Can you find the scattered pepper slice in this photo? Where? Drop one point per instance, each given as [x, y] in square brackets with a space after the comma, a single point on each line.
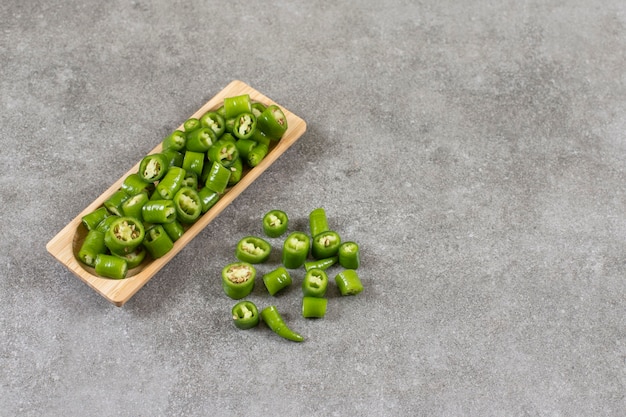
[245, 315]
[253, 249]
[275, 223]
[238, 279]
[274, 321]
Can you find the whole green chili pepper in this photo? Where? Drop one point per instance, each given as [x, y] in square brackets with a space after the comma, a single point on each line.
[348, 282]
[245, 315]
[217, 177]
[295, 250]
[318, 222]
[188, 205]
[322, 264]
[234, 106]
[325, 244]
[193, 162]
[274, 321]
[257, 154]
[224, 152]
[272, 122]
[253, 250]
[92, 246]
[208, 198]
[110, 266]
[214, 121]
[349, 255]
[175, 141]
[153, 167]
[275, 223]
[132, 207]
[91, 220]
[238, 279]
[114, 202]
[245, 125]
[174, 230]
[134, 258]
[124, 235]
[315, 283]
[157, 242]
[276, 280]
[314, 307]
[159, 211]
[201, 139]
[171, 183]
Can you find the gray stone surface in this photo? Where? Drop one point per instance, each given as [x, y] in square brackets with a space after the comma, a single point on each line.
[475, 150]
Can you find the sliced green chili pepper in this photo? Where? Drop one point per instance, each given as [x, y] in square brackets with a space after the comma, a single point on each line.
[132, 207]
[171, 183]
[174, 158]
[257, 154]
[234, 106]
[105, 224]
[190, 180]
[236, 172]
[188, 205]
[153, 167]
[157, 242]
[315, 283]
[191, 124]
[274, 321]
[245, 315]
[174, 230]
[348, 282]
[244, 146]
[135, 258]
[193, 162]
[295, 250]
[91, 220]
[349, 256]
[325, 244]
[260, 137]
[314, 307]
[159, 211]
[276, 280]
[318, 222]
[92, 246]
[175, 141]
[272, 122]
[217, 178]
[214, 121]
[201, 139]
[253, 250]
[238, 279]
[322, 264]
[111, 266]
[245, 125]
[229, 137]
[220, 110]
[275, 223]
[229, 125]
[124, 235]
[257, 108]
[134, 184]
[223, 151]
[208, 198]
[114, 202]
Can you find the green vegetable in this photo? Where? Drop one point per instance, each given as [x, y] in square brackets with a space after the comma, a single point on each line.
[325, 244]
[124, 235]
[157, 242]
[275, 223]
[238, 279]
[315, 283]
[349, 255]
[245, 315]
[274, 321]
[295, 250]
[253, 250]
[111, 266]
[277, 280]
[314, 307]
[348, 282]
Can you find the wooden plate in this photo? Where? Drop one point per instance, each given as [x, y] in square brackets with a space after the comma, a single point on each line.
[65, 245]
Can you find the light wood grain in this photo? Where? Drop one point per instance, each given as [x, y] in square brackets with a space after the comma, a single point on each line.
[65, 245]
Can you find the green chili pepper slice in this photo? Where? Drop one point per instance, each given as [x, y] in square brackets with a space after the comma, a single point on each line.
[223, 151]
[275, 223]
[208, 198]
[272, 122]
[153, 167]
[245, 315]
[171, 183]
[92, 246]
[175, 141]
[190, 180]
[201, 139]
[114, 202]
[193, 162]
[105, 224]
[133, 206]
[245, 125]
[322, 264]
[315, 283]
[214, 121]
[295, 250]
[159, 211]
[217, 177]
[93, 219]
[349, 282]
[174, 158]
[252, 249]
[134, 184]
[318, 221]
[134, 258]
[124, 235]
[349, 255]
[236, 172]
[188, 205]
[274, 321]
[325, 244]
[258, 108]
[174, 230]
[238, 279]
[157, 242]
[314, 307]
[244, 146]
[191, 124]
[110, 266]
[277, 280]
[234, 106]
[257, 154]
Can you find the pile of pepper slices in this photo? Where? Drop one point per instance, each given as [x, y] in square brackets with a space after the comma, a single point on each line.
[323, 245]
[174, 187]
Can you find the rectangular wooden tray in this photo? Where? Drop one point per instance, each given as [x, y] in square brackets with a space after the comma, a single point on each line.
[65, 245]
